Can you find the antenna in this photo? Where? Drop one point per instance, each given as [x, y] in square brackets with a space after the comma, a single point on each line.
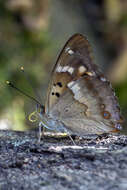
[30, 82]
[22, 92]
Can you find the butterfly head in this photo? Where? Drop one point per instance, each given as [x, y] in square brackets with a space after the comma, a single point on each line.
[40, 109]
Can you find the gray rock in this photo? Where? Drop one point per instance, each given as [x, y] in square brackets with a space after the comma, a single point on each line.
[93, 163]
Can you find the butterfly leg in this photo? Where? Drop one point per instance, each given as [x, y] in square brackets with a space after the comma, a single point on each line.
[71, 140]
[40, 132]
[66, 131]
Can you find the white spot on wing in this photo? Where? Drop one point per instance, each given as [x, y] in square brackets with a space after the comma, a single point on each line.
[103, 79]
[60, 69]
[70, 70]
[69, 51]
[68, 48]
[64, 69]
[90, 73]
[82, 69]
[76, 89]
[70, 84]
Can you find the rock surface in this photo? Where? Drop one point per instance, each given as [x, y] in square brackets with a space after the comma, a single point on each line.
[93, 163]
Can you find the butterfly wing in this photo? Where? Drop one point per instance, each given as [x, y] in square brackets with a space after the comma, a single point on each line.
[79, 95]
[76, 52]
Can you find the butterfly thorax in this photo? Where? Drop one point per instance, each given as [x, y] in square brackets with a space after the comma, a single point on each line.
[50, 122]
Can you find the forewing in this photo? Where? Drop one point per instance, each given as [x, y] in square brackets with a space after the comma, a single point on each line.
[76, 53]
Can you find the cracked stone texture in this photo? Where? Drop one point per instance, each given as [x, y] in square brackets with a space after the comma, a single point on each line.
[93, 163]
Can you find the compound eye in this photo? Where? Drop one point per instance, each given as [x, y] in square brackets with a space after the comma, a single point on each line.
[40, 108]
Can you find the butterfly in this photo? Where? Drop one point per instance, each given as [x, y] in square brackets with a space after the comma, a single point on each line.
[80, 99]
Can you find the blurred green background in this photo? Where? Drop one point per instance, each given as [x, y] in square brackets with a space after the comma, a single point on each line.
[32, 33]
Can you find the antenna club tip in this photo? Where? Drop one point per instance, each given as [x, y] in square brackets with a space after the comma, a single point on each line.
[22, 68]
[7, 82]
